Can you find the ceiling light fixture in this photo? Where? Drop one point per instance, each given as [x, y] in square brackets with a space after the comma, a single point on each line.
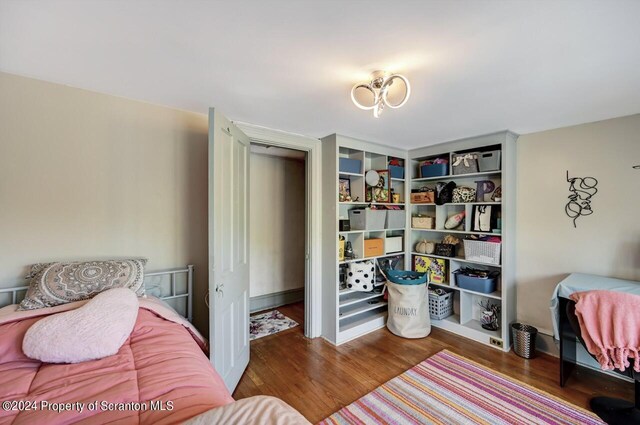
[379, 88]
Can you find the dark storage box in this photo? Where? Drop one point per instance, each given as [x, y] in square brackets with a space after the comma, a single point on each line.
[477, 284]
[396, 172]
[348, 165]
[434, 170]
[445, 250]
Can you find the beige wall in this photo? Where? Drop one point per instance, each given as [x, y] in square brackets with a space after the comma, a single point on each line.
[605, 243]
[277, 224]
[86, 175]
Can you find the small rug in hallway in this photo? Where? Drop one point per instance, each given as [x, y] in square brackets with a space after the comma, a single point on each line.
[450, 389]
[269, 323]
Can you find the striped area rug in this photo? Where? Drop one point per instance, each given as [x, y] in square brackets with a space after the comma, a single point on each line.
[450, 389]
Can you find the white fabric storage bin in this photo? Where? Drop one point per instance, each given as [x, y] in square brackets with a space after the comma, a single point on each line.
[367, 219]
[393, 244]
[395, 219]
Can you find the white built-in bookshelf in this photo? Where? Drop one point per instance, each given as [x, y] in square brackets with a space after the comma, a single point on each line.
[348, 314]
[467, 312]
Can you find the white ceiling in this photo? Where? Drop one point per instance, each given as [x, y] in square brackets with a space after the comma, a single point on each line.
[475, 66]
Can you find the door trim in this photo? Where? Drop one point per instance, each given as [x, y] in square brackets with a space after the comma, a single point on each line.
[313, 269]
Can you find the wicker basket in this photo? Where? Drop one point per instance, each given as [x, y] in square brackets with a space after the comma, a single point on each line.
[482, 252]
[440, 306]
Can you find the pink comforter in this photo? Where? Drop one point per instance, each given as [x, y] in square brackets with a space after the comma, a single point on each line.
[159, 376]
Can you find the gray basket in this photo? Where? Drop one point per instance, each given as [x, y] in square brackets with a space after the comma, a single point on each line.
[367, 219]
[524, 340]
[440, 306]
[396, 219]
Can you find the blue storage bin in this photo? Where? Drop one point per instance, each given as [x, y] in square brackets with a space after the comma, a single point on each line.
[406, 277]
[396, 172]
[348, 165]
[434, 170]
[477, 284]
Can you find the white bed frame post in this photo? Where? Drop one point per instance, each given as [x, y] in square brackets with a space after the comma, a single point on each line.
[190, 293]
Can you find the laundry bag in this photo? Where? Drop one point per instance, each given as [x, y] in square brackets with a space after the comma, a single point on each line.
[408, 304]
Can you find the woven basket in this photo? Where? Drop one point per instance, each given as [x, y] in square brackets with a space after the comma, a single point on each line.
[482, 252]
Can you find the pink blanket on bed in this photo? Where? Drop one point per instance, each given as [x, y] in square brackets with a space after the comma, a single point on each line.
[159, 376]
[610, 327]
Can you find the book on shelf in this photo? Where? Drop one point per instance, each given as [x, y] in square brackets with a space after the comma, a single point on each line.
[436, 268]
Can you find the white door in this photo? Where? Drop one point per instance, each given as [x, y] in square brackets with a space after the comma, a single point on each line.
[228, 248]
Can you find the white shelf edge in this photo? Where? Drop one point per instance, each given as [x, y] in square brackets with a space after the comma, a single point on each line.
[370, 322]
[347, 291]
[433, 204]
[357, 300]
[391, 204]
[463, 232]
[456, 176]
[461, 260]
[377, 230]
[474, 203]
[477, 326]
[372, 258]
[364, 309]
[455, 203]
[497, 295]
[471, 329]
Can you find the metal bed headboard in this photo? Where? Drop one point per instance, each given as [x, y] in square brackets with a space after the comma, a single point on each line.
[18, 292]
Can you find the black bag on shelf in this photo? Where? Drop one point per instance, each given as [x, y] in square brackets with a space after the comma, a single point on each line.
[444, 192]
[445, 250]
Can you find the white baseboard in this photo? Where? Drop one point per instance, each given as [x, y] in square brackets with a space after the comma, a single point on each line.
[264, 302]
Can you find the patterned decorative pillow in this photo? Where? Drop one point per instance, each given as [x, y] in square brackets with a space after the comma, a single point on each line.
[60, 283]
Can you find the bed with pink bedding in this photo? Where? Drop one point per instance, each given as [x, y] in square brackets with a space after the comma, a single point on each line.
[161, 375]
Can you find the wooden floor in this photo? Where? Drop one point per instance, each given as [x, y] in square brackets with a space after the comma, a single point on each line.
[318, 378]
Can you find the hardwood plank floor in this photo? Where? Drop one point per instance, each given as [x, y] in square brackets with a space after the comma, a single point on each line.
[318, 378]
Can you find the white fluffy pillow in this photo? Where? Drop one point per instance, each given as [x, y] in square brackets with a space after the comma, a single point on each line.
[96, 330]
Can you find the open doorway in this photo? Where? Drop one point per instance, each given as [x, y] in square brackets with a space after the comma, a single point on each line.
[278, 220]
